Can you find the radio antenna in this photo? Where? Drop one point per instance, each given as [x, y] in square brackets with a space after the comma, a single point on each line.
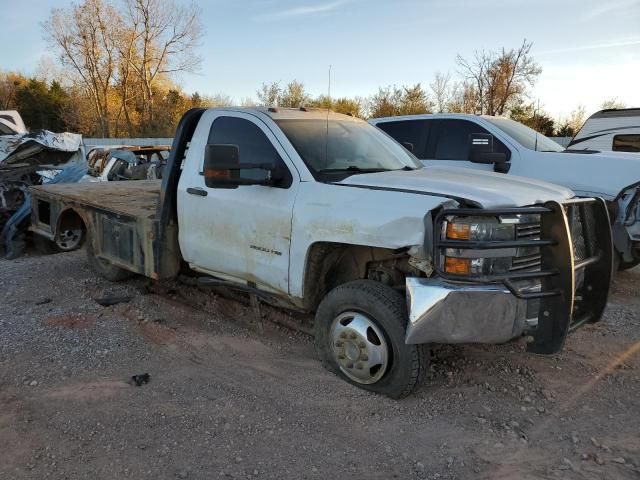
[326, 141]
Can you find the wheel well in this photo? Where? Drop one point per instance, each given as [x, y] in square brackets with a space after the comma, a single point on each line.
[70, 220]
[332, 264]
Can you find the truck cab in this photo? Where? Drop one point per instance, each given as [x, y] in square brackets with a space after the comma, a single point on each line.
[324, 213]
[505, 146]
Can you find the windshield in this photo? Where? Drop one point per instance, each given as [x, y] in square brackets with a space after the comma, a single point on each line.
[525, 136]
[345, 146]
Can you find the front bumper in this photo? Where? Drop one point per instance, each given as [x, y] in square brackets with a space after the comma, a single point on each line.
[443, 312]
[569, 289]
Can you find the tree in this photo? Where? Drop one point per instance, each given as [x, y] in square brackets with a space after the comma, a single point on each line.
[293, 95]
[532, 116]
[162, 38]
[570, 126]
[414, 100]
[392, 101]
[612, 103]
[499, 79]
[344, 105]
[349, 106]
[269, 94]
[86, 38]
[444, 92]
[10, 83]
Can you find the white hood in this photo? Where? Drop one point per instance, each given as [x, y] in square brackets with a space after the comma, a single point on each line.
[490, 190]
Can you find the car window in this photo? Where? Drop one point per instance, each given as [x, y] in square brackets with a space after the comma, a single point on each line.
[451, 140]
[626, 143]
[525, 136]
[415, 132]
[253, 144]
[345, 146]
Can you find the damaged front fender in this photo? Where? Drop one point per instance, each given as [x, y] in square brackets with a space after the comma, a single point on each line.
[626, 228]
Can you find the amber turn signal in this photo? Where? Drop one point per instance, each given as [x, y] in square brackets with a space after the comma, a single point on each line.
[212, 173]
[457, 266]
[458, 231]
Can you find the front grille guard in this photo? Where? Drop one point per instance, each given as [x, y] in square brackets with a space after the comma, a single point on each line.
[573, 291]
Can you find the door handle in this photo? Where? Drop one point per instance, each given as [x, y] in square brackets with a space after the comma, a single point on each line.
[197, 191]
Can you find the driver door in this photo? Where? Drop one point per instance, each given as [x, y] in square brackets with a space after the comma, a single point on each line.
[240, 234]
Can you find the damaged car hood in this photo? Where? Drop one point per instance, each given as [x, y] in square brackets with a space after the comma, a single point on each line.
[486, 189]
[38, 148]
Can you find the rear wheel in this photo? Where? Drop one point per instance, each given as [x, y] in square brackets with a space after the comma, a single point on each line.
[105, 268]
[69, 240]
[359, 335]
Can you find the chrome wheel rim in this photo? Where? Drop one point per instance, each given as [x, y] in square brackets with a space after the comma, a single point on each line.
[69, 239]
[359, 347]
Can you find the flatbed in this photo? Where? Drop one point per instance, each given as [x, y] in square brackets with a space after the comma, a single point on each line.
[134, 199]
[122, 217]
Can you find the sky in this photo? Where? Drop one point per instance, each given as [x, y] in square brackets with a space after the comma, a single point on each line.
[589, 50]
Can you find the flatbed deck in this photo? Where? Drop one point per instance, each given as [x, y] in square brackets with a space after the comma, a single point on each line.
[133, 198]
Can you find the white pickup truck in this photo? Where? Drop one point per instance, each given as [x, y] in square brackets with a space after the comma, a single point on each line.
[505, 146]
[324, 213]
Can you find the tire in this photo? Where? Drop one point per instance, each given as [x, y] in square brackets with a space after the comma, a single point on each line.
[69, 240]
[344, 348]
[104, 268]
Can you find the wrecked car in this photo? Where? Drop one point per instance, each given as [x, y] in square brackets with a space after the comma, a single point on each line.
[109, 164]
[28, 159]
[323, 213]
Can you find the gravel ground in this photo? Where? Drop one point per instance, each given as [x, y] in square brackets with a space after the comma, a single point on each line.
[232, 396]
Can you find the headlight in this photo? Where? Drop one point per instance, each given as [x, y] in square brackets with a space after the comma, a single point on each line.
[469, 261]
[478, 229]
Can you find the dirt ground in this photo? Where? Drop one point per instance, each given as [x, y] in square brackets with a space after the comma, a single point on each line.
[231, 396]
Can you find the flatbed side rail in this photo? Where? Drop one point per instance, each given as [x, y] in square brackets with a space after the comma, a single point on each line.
[576, 251]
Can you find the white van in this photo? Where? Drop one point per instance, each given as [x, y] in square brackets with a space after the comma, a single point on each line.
[610, 130]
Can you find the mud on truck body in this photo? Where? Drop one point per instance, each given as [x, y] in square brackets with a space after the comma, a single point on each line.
[326, 214]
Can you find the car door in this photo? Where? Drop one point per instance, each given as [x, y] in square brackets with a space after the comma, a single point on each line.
[244, 233]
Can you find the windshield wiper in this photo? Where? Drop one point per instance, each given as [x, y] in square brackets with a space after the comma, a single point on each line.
[353, 168]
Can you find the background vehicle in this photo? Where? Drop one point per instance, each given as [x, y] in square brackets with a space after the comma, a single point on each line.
[126, 163]
[505, 146]
[615, 130]
[11, 123]
[323, 213]
[29, 159]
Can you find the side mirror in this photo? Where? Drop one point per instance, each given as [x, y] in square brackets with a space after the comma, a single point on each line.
[481, 149]
[408, 146]
[222, 168]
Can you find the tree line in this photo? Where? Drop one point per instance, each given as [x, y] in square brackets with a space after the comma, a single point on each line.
[118, 63]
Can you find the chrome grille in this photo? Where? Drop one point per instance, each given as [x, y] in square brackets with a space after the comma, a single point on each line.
[581, 223]
[527, 259]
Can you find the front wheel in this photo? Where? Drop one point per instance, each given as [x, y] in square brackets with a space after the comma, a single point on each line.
[359, 335]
